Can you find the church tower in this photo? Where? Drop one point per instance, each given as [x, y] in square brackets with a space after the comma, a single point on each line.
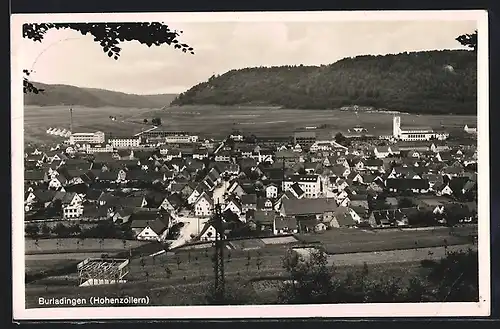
[396, 127]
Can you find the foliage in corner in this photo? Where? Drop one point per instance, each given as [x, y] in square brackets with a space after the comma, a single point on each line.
[468, 40]
[109, 36]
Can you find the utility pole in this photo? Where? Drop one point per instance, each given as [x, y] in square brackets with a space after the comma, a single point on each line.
[219, 255]
[71, 120]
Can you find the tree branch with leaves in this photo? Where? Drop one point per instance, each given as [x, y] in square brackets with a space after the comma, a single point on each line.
[468, 40]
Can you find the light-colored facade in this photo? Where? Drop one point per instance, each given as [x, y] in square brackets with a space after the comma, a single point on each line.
[125, 142]
[310, 184]
[98, 148]
[97, 137]
[414, 134]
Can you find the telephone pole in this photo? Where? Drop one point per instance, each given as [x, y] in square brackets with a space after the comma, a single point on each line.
[219, 254]
[71, 120]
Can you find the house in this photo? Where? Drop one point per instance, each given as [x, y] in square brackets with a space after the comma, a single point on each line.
[35, 177]
[248, 202]
[57, 182]
[208, 233]
[171, 203]
[310, 184]
[344, 217]
[296, 191]
[401, 185]
[223, 156]
[71, 204]
[470, 129]
[321, 208]
[122, 215]
[285, 225]
[234, 205]
[381, 152]
[271, 191]
[260, 220]
[40, 198]
[235, 189]
[444, 156]
[373, 164]
[203, 207]
[436, 206]
[264, 204]
[149, 225]
[359, 200]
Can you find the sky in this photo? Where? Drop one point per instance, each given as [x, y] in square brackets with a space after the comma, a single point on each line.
[67, 57]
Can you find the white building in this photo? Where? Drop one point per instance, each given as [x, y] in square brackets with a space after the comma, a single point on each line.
[98, 148]
[95, 138]
[414, 133]
[310, 184]
[470, 129]
[125, 142]
[327, 145]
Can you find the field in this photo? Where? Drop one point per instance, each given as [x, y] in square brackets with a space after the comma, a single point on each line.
[72, 245]
[182, 277]
[169, 282]
[217, 121]
[46, 254]
[355, 240]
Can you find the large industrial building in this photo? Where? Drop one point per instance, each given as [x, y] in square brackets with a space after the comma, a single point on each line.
[169, 136]
[94, 138]
[415, 133]
[125, 142]
[304, 138]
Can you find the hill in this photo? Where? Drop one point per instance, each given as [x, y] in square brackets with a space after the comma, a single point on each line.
[433, 82]
[54, 95]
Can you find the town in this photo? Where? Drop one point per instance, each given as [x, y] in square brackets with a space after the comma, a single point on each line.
[166, 186]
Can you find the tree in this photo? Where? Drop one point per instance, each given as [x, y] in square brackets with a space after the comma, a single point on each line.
[60, 230]
[339, 138]
[145, 121]
[259, 260]
[405, 203]
[109, 36]
[45, 229]
[468, 40]
[310, 279]
[455, 276]
[156, 121]
[32, 230]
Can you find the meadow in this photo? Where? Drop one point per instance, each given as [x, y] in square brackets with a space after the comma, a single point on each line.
[256, 277]
[219, 121]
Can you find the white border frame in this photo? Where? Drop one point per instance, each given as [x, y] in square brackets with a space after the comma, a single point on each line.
[482, 308]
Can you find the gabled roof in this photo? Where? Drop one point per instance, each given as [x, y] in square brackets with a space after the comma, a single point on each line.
[207, 197]
[285, 222]
[44, 195]
[402, 184]
[34, 175]
[249, 199]
[308, 206]
[264, 217]
[296, 188]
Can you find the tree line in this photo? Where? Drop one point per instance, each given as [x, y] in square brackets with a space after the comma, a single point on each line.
[431, 82]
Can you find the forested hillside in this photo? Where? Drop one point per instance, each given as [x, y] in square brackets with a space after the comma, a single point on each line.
[54, 95]
[419, 82]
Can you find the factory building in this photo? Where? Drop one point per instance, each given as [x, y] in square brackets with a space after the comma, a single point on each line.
[81, 138]
[414, 134]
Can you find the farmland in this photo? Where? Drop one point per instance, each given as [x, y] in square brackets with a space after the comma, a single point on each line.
[217, 121]
[181, 277]
[166, 281]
